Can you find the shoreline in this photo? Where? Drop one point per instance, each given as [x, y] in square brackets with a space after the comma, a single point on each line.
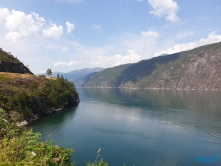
[35, 117]
[153, 88]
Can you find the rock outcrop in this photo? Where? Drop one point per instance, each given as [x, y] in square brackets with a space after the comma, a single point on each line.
[6, 66]
[10, 63]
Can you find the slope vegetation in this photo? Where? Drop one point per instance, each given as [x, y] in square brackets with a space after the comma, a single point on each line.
[25, 96]
[9, 63]
[107, 77]
[199, 68]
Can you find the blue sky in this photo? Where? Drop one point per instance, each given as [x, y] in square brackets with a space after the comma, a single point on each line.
[66, 35]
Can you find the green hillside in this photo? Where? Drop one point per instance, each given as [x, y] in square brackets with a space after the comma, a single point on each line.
[5, 56]
[199, 68]
[25, 96]
[107, 77]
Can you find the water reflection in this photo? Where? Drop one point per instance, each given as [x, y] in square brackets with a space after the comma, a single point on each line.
[141, 127]
[205, 102]
[192, 110]
[53, 125]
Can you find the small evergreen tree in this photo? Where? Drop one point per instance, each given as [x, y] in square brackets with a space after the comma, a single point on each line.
[49, 72]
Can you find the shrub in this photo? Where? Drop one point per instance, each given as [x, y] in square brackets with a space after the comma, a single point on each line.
[19, 146]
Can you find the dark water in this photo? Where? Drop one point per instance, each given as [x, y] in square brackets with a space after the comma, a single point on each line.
[141, 127]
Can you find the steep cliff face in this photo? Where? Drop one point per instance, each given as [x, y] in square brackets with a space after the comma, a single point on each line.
[199, 68]
[196, 69]
[10, 63]
[6, 66]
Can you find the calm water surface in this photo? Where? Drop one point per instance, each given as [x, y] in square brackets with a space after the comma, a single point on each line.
[141, 127]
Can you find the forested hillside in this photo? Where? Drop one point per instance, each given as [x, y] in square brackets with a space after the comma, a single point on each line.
[199, 68]
[25, 96]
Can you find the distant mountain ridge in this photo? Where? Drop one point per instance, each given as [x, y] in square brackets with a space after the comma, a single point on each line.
[199, 68]
[78, 77]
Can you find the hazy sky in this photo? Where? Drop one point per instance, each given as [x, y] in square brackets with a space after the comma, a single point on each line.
[65, 35]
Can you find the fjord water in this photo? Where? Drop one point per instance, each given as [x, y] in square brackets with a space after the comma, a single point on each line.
[141, 127]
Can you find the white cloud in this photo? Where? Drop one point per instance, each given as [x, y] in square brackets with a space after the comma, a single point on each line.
[75, 1]
[19, 24]
[109, 61]
[150, 34]
[60, 63]
[97, 27]
[212, 38]
[164, 7]
[19, 21]
[13, 36]
[38, 18]
[4, 13]
[53, 31]
[70, 27]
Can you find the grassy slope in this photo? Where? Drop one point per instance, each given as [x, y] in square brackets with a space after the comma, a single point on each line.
[17, 81]
[28, 94]
[4, 56]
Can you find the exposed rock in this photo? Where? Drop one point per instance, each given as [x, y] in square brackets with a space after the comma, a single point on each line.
[6, 66]
[23, 123]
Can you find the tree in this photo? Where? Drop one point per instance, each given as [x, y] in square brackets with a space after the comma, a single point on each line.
[49, 72]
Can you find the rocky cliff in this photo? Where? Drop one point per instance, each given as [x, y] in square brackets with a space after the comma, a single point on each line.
[10, 63]
[199, 68]
[6, 66]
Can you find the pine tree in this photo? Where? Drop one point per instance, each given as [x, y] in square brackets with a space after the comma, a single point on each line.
[49, 72]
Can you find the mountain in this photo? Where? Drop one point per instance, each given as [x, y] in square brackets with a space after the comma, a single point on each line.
[79, 77]
[199, 68]
[80, 81]
[107, 77]
[9, 63]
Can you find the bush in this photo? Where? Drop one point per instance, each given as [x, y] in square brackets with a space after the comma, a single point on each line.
[19, 146]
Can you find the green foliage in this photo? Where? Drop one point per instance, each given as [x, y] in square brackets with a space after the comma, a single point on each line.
[49, 72]
[59, 91]
[162, 71]
[19, 146]
[107, 77]
[30, 95]
[101, 163]
[4, 56]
